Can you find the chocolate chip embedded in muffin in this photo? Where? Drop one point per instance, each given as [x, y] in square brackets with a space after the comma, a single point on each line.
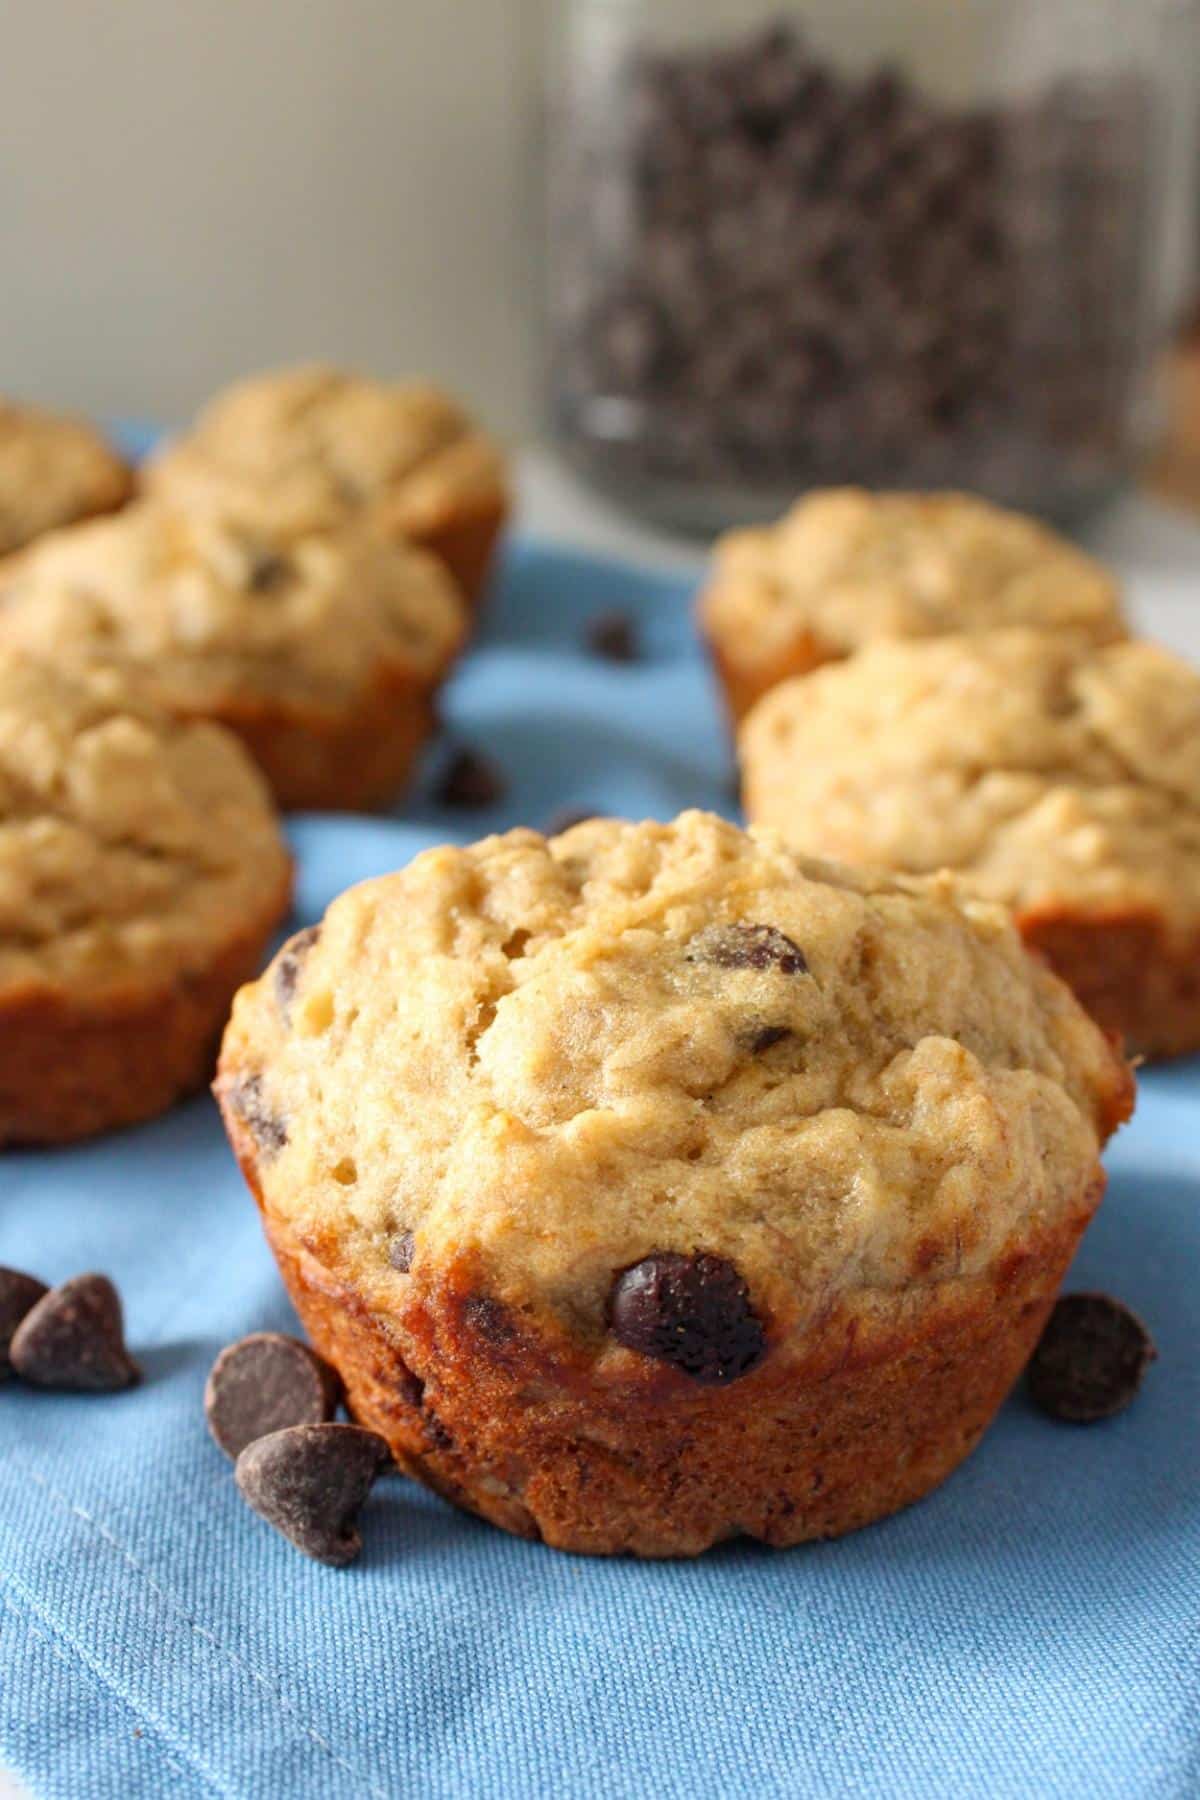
[310, 1481]
[1090, 1360]
[748, 947]
[269, 572]
[263, 1383]
[693, 1312]
[265, 1126]
[19, 1294]
[74, 1338]
[400, 1251]
[290, 961]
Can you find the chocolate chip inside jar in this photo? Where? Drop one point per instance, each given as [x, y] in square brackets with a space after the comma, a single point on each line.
[769, 272]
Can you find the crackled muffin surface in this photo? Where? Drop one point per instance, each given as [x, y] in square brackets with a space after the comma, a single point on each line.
[845, 567]
[53, 471]
[141, 872]
[1061, 780]
[308, 448]
[658, 1100]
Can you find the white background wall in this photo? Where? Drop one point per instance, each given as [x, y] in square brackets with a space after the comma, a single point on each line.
[191, 188]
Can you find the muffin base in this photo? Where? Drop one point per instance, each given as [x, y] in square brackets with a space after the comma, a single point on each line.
[320, 761]
[862, 1413]
[1135, 979]
[743, 685]
[68, 1070]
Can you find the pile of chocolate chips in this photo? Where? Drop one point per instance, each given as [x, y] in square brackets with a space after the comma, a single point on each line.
[271, 1405]
[70, 1337]
[768, 273]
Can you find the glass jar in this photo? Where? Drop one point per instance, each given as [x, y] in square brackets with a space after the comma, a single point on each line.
[907, 243]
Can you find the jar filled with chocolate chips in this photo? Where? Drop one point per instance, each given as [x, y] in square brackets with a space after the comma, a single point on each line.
[905, 243]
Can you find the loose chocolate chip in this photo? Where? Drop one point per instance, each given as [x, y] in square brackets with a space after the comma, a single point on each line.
[1090, 1360]
[767, 1036]
[265, 1127]
[567, 819]
[74, 1338]
[470, 782]
[613, 636]
[400, 1251]
[268, 572]
[748, 947]
[263, 1383]
[310, 1481]
[19, 1294]
[289, 960]
[693, 1312]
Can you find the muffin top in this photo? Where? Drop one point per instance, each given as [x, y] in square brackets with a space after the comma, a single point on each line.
[554, 1059]
[848, 566]
[307, 448]
[132, 848]
[53, 470]
[212, 608]
[1048, 773]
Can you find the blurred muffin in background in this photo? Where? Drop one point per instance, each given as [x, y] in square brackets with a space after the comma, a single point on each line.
[845, 566]
[142, 872]
[314, 447]
[53, 471]
[323, 651]
[1059, 778]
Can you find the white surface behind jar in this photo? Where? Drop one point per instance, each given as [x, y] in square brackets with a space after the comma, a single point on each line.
[194, 189]
[189, 191]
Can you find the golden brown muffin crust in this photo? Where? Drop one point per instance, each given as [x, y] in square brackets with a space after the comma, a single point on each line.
[488, 1087]
[53, 471]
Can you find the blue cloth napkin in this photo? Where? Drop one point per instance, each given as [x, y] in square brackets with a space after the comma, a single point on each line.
[1031, 1630]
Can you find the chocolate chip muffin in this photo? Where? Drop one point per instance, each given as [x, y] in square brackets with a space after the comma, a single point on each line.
[652, 1185]
[142, 872]
[309, 448]
[1061, 780]
[53, 471]
[845, 567]
[324, 651]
